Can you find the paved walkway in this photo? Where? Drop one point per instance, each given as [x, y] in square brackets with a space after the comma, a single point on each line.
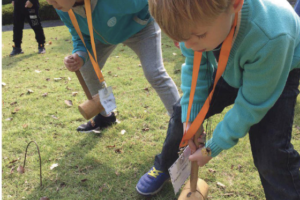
[45, 24]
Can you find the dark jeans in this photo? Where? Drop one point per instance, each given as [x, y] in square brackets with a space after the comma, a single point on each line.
[297, 7]
[32, 16]
[274, 156]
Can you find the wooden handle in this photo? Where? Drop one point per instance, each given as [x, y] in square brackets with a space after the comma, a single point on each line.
[195, 167]
[83, 85]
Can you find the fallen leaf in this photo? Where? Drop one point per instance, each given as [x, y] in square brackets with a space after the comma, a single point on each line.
[47, 79]
[68, 88]
[21, 94]
[47, 69]
[118, 121]
[145, 129]
[13, 161]
[232, 166]
[117, 56]
[146, 89]
[239, 167]
[12, 170]
[123, 132]
[174, 54]
[21, 170]
[212, 170]
[221, 185]
[25, 125]
[69, 103]
[29, 91]
[110, 146]
[84, 180]
[50, 42]
[53, 166]
[54, 117]
[13, 103]
[297, 127]
[228, 194]
[44, 198]
[57, 79]
[69, 78]
[101, 189]
[9, 119]
[118, 151]
[140, 65]
[38, 71]
[74, 94]
[3, 84]
[117, 173]
[45, 94]
[15, 111]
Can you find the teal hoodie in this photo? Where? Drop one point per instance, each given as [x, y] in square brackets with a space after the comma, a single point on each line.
[114, 21]
[265, 49]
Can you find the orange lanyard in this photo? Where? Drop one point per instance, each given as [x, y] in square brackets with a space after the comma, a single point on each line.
[223, 59]
[95, 64]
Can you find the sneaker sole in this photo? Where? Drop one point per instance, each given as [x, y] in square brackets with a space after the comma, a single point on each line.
[91, 131]
[152, 193]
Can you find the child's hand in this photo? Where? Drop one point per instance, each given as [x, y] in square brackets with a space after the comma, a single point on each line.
[200, 157]
[201, 139]
[73, 62]
[28, 4]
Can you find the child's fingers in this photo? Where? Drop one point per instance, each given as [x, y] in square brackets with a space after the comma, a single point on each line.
[192, 146]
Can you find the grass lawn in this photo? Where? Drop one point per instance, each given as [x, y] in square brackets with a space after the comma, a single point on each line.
[97, 166]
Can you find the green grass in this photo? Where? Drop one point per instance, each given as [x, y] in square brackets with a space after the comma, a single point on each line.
[110, 175]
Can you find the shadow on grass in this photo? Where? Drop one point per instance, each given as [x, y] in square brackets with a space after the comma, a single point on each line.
[75, 166]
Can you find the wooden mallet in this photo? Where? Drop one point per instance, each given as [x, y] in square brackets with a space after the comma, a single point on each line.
[196, 188]
[92, 106]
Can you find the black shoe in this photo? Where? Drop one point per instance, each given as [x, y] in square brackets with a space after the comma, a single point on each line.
[42, 49]
[16, 51]
[97, 123]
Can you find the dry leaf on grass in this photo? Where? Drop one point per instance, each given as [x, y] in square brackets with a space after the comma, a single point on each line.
[53, 166]
[221, 185]
[21, 170]
[29, 91]
[3, 84]
[123, 132]
[13, 103]
[45, 94]
[38, 71]
[145, 129]
[15, 111]
[57, 79]
[68, 103]
[74, 94]
[44, 198]
[54, 117]
[83, 180]
[25, 125]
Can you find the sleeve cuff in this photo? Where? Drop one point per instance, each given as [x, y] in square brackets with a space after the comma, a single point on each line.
[83, 55]
[194, 112]
[215, 149]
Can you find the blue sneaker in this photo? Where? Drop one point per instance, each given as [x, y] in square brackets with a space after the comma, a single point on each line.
[152, 182]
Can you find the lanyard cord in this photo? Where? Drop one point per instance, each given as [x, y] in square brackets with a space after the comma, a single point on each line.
[90, 25]
[223, 59]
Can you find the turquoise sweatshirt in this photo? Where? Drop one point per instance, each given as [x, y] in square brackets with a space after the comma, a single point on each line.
[265, 49]
[114, 21]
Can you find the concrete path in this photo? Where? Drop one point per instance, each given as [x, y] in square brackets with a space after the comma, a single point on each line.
[45, 24]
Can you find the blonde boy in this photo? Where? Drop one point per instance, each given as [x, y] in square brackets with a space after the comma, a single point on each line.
[261, 80]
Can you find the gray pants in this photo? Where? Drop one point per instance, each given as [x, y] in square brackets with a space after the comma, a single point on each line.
[147, 45]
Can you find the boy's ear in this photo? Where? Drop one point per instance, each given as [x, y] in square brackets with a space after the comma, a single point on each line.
[237, 5]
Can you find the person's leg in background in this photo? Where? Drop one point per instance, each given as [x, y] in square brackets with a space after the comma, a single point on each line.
[19, 19]
[35, 22]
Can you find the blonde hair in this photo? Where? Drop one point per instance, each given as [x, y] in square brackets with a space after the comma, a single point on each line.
[176, 17]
